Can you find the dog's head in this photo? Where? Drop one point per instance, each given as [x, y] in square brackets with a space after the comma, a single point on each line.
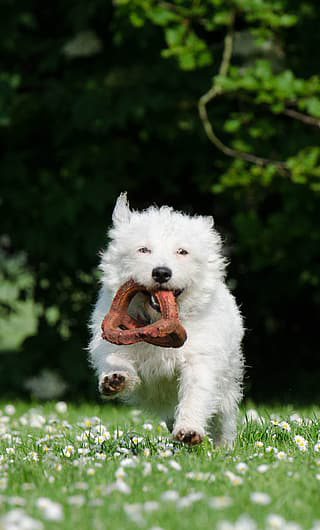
[162, 248]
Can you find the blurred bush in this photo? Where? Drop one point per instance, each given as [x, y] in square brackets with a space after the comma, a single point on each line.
[103, 97]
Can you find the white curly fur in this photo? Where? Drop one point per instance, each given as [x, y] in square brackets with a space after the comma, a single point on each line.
[195, 388]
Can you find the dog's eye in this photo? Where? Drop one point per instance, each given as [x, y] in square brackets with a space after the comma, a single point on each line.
[144, 250]
[182, 251]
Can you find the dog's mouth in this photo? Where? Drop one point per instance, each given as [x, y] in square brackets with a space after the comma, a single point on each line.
[154, 302]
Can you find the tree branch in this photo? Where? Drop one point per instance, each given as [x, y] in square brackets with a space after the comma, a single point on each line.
[305, 118]
[215, 91]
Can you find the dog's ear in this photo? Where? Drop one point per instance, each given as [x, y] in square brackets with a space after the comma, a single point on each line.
[209, 221]
[121, 212]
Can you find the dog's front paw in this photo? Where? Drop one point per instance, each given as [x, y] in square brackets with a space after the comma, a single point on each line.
[110, 385]
[188, 436]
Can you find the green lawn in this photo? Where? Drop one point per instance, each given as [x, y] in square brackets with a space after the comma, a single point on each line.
[100, 467]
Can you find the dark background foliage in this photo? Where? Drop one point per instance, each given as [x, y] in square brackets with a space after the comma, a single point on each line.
[101, 97]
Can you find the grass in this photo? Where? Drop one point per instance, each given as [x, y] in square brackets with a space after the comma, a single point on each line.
[132, 476]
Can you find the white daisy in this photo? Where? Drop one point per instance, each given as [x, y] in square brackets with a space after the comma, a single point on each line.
[220, 502]
[52, 511]
[169, 495]
[241, 467]
[285, 426]
[260, 498]
[61, 407]
[175, 465]
[263, 468]
[68, 451]
[281, 455]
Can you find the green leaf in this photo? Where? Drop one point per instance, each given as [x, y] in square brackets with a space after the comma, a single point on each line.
[175, 35]
[232, 125]
[136, 20]
[312, 105]
[161, 16]
[187, 61]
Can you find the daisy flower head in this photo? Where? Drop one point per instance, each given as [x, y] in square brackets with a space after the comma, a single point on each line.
[275, 522]
[137, 440]
[121, 486]
[133, 512]
[220, 502]
[299, 439]
[61, 407]
[263, 468]
[83, 450]
[101, 456]
[252, 415]
[285, 426]
[120, 473]
[317, 447]
[162, 468]
[18, 518]
[189, 499]
[117, 433]
[81, 485]
[151, 506]
[269, 449]
[301, 443]
[147, 468]
[258, 497]
[242, 467]
[129, 462]
[175, 465]
[296, 418]
[124, 450]
[169, 496]
[76, 500]
[234, 479]
[244, 522]
[10, 409]
[281, 455]
[166, 453]
[68, 451]
[100, 439]
[52, 511]
[198, 475]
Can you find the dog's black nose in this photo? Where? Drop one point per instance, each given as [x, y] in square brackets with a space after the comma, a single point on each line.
[161, 274]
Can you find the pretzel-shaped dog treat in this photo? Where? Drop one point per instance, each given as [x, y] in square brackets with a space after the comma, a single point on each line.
[119, 328]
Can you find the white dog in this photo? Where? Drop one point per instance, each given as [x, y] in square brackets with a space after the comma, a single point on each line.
[196, 388]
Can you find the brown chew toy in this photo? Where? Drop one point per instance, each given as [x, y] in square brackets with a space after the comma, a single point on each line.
[119, 328]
